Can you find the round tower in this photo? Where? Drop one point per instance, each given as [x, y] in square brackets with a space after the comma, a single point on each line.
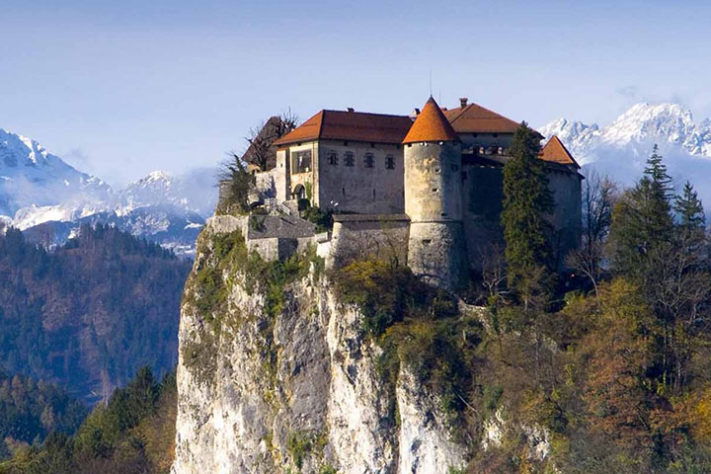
[433, 199]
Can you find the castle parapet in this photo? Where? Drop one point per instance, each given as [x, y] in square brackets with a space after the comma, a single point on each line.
[356, 236]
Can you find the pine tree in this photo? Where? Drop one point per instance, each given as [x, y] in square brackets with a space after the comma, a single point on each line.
[691, 219]
[527, 203]
[642, 222]
[656, 170]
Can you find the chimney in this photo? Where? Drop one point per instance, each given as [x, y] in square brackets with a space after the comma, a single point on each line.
[416, 112]
[350, 109]
[463, 101]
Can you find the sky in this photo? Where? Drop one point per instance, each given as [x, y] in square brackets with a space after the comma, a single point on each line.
[121, 88]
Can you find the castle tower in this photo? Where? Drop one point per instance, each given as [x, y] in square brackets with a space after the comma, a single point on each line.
[433, 199]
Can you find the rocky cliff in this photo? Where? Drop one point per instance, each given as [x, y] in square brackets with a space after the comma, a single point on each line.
[276, 374]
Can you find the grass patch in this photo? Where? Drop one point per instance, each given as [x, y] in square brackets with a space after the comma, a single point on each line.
[301, 444]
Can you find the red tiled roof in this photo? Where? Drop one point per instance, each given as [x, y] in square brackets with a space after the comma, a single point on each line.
[353, 126]
[474, 118]
[554, 151]
[430, 126]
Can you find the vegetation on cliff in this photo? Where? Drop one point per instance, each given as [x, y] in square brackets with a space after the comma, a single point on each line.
[224, 261]
[612, 374]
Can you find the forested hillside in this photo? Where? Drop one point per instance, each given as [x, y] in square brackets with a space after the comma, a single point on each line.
[133, 433]
[89, 314]
[30, 410]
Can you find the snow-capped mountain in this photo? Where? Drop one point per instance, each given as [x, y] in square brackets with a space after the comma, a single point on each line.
[31, 177]
[49, 199]
[621, 148]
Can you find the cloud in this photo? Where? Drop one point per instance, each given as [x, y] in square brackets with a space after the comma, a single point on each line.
[78, 156]
[628, 92]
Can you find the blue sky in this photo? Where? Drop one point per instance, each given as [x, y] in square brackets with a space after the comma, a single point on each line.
[122, 88]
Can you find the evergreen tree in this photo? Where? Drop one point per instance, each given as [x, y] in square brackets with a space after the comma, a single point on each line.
[691, 227]
[527, 203]
[656, 171]
[642, 223]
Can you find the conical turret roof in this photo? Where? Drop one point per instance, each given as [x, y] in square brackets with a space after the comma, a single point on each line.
[430, 126]
[554, 151]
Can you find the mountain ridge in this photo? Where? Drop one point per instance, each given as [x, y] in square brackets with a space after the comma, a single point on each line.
[40, 193]
[620, 149]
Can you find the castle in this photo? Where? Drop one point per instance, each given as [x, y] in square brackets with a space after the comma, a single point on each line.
[426, 188]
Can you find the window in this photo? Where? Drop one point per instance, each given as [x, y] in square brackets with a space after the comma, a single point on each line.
[332, 158]
[369, 160]
[300, 161]
[348, 159]
[390, 162]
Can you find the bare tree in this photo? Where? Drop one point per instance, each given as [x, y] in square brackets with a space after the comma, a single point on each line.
[599, 196]
[261, 151]
[493, 273]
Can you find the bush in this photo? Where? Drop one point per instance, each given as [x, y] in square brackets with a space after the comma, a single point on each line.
[322, 219]
[416, 325]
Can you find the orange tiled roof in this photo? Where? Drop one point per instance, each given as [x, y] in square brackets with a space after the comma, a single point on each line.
[353, 126]
[430, 126]
[474, 118]
[554, 151]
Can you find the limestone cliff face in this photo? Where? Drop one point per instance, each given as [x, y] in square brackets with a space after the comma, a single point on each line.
[277, 383]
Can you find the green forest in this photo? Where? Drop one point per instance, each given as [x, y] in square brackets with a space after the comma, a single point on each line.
[133, 433]
[89, 314]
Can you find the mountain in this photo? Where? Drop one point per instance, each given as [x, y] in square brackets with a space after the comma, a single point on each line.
[30, 177]
[620, 149]
[48, 198]
[90, 313]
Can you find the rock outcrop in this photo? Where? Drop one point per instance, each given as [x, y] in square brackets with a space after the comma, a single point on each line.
[276, 375]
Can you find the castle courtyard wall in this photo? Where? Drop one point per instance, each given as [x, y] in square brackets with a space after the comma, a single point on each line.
[356, 236]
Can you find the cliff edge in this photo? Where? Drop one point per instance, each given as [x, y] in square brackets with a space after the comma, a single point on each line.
[280, 372]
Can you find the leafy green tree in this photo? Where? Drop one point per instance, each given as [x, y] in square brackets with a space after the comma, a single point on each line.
[527, 204]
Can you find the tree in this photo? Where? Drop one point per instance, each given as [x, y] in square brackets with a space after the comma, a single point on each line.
[656, 171]
[261, 151]
[620, 354]
[691, 227]
[527, 204]
[241, 182]
[642, 224]
[668, 264]
[598, 201]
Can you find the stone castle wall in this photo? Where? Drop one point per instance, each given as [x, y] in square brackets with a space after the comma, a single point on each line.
[433, 182]
[357, 235]
[369, 186]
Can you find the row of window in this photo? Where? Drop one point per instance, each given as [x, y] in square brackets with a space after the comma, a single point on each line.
[368, 160]
[489, 150]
